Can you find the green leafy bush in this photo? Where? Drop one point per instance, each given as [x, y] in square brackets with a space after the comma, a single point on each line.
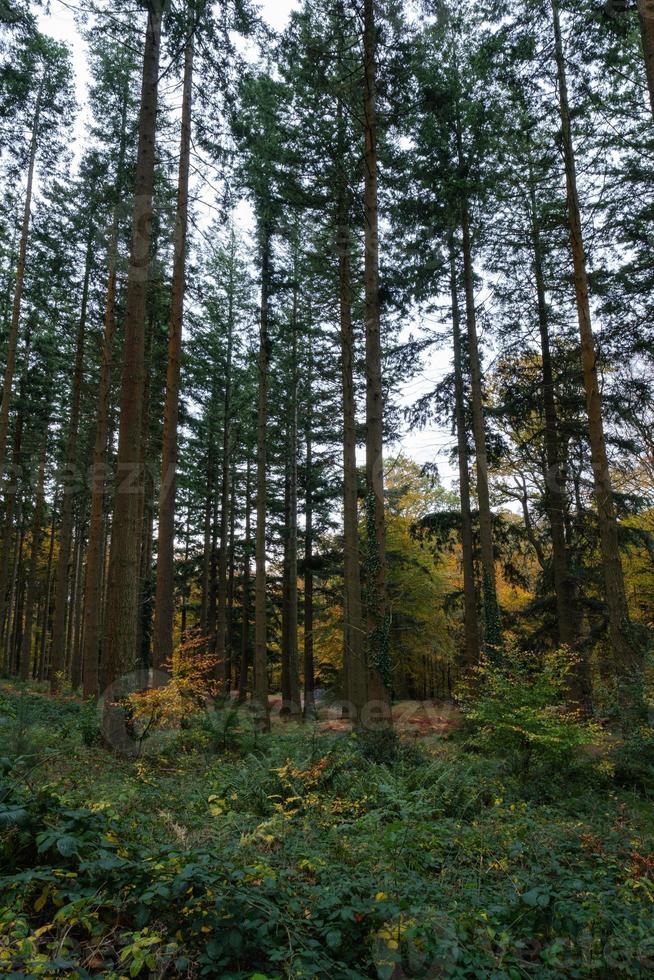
[517, 710]
[633, 761]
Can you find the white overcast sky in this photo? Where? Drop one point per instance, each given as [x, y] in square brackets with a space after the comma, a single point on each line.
[432, 444]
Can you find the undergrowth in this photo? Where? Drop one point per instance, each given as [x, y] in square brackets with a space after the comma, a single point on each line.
[237, 855]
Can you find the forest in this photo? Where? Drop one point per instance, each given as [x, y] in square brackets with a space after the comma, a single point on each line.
[326, 489]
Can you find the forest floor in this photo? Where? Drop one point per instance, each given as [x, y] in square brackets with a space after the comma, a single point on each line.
[311, 852]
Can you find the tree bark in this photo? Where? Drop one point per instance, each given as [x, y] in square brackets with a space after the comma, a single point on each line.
[75, 630]
[471, 623]
[164, 599]
[245, 604]
[646, 22]
[291, 704]
[260, 625]
[627, 654]
[123, 587]
[43, 642]
[378, 628]
[555, 503]
[12, 341]
[492, 629]
[11, 497]
[221, 598]
[70, 486]
[32, 573]
[92, 611]
[309, 710]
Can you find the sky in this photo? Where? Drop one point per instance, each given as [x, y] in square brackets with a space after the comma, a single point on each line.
[431, 445]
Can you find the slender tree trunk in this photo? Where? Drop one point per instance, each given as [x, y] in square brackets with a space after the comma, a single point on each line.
[309, 673]
[221, 599]
[45, 625]
[260, 626]
[245, 605]
[11, 497]
[32, 573]
[15, 633]
[75, 628]
[206, 554]
[12, 342]
[492, 633]
[627, 654]
[230, 664]
[379, 664]
[564, 583]
[70, 485]
[646, 21]
[164, 599]
[123, 587]
[471, 622]
[187, 547]
[95, 553]
[291, 690]
[355, 669]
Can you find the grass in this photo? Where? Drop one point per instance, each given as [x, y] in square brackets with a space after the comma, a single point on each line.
[300, 854]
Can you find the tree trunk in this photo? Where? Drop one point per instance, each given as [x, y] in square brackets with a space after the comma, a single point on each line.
[379, 665]
[11, 495]
[45, 624]
[291, 704]
[565, 589]
[355, 670]
[245, 605]
[492, 630]
[646, 21]
[12, 341]
[221, 599]
[309, 712]
[75, 629]
[70, 486]
[92, 612]
[206, 554]
[32, 573]
[260, 626]
[470, 619]
[627, 654]
[123, 587]
[164, 599]
[230, 665]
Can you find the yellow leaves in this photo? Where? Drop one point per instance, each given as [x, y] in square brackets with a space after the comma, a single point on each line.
[217, 805]
[381, 897]
[42, 899]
